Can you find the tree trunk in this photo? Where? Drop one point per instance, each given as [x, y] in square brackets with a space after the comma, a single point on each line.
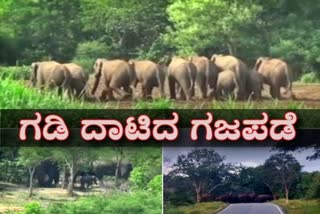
[287, 194]
[71, 179]
[31, 173]
[117, 172]
[198, 194]
[64, 181]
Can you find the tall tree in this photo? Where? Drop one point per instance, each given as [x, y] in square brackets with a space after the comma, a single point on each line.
[204, 168]
[282, 169]
[30, 157]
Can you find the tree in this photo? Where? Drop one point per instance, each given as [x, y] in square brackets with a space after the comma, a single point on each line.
[73, 158]
[198, 25]
[204, 168]
[282, 169]
[30, 157]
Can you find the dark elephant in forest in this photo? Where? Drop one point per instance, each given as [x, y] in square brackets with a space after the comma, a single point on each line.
[263, 198]
[47, 174]
[87, 180]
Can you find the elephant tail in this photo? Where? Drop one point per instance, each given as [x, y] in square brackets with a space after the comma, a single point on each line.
[161, 79]
[192, 82]
[289, 82]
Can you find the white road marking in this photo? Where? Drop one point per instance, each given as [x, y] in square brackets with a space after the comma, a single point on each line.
[225, 209]
[279, 209]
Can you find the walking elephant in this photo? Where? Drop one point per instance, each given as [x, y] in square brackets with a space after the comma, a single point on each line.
[87, 180]
[276, 73]
[47, 174]
[227, 84]
[183, 73]
[238, 67]
[50, 74]
[116, 74]
[78, 79]
[254, 85]
[207, 74]
[150, 75]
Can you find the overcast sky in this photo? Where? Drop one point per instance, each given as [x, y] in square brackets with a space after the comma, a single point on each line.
[247, 156]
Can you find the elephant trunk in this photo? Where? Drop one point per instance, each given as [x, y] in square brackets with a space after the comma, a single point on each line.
[191, 89]
[289, 83]
[33, 78]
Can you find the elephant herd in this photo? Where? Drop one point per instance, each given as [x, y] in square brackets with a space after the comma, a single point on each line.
[240, 198]
[48, 174]
[220, 77]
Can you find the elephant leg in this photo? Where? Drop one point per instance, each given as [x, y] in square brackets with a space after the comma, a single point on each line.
[202, 86]
[186, 91]
[110, 94]
[148, 92]
[144, 93]
[182, 94]
[103, 94]
[172, 87]
[275, 92]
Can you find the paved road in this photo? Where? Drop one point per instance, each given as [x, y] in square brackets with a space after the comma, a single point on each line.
[252, 208]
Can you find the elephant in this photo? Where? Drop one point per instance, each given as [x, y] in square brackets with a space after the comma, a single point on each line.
[47, 174]
[50, 74]
[254, 85]
[207, 74]
[116, 74]
[263, 198]
[150, 75]
[78, 79]
[227, 62]
[227, 84]
[183, 73]
[87, 180]
[276, 73]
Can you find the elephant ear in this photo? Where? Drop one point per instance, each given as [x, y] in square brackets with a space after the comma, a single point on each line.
[258, 63]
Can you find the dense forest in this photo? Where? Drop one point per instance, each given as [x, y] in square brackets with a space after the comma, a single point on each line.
[82, 30]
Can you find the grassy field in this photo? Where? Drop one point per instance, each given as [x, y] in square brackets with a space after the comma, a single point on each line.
[13, 199]
[300, 206]
[201, 208]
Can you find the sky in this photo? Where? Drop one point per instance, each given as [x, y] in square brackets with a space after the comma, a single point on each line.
[247, 156]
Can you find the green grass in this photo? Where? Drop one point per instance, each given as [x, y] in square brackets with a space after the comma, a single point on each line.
[200, 208]
[311, 77]
[300, 206]
[16, 95]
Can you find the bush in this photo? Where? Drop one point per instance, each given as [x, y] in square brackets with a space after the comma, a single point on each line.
[11, 171]
[15, 72]
[133, 203]
[91, 50]
[155, 185]
[311, 77]
[33, 208]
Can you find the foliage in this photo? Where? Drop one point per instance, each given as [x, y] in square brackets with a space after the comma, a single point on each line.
[11, 171]
[155, 185]
[33, 208]
[117, 203]
[311, 77]
[15, 72]
[300, 206]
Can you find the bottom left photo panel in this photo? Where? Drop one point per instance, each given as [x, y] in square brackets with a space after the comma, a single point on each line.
[41, 180]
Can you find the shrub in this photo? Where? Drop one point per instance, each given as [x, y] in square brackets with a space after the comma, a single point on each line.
[15, 72]
[134, 203]
[11, 171]
[91, 50]
[311, 77]
[33, 208]
[155, 185]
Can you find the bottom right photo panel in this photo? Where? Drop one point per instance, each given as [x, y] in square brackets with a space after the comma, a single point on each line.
[241, 180]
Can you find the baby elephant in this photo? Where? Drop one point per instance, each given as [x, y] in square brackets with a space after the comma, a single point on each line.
[87, 180]
[226, 84]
